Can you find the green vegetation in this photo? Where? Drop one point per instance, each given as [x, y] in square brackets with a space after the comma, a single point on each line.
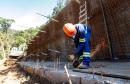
[5, 24]
[58, 7]
[11, 38]
[5, 38]
[25, 36]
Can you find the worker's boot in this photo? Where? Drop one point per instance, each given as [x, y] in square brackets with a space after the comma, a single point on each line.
[82, 66]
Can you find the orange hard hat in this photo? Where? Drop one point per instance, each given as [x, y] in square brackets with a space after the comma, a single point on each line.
[69, 29]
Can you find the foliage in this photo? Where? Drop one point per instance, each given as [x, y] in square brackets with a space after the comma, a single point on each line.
[22, 37]
[11, 38]
[5, 24]
[5, 38]
[58, 8]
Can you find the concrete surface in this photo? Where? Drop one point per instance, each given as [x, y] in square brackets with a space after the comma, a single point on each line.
[113, 68]
[52, 69]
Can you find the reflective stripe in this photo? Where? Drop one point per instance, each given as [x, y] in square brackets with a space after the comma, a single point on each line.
[81, 57]
[86, 54]
[86, 32]
[81, 40]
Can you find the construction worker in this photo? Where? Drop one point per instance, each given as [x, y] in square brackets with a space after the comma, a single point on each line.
[80, 33]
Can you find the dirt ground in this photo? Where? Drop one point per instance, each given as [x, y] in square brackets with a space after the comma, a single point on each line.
[10, 74]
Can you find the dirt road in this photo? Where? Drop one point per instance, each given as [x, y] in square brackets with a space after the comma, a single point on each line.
[10, 74]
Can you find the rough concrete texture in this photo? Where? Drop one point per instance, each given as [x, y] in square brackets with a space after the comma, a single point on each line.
[55, 74]
[119, 70]
[110, 28]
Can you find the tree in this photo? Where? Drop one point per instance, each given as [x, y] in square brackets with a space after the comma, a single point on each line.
[58, 8]
[5, 24]
[2, 44]
[5, 38]
[25, 36]
[13, 38]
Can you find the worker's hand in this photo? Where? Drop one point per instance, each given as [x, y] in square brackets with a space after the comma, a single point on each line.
[71, 57]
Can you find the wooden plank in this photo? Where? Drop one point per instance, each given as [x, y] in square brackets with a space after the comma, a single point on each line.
[82, 21]
[82, 11]
[83, 15]
[82, 6]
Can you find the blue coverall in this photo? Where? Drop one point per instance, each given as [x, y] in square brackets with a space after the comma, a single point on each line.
[82, 43]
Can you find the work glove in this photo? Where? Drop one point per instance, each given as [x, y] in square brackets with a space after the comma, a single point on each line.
[71, 57]
[76, 62]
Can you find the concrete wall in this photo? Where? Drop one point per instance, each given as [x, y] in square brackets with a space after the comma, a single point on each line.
[110, 24]
[110, 27]
[54, 38]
